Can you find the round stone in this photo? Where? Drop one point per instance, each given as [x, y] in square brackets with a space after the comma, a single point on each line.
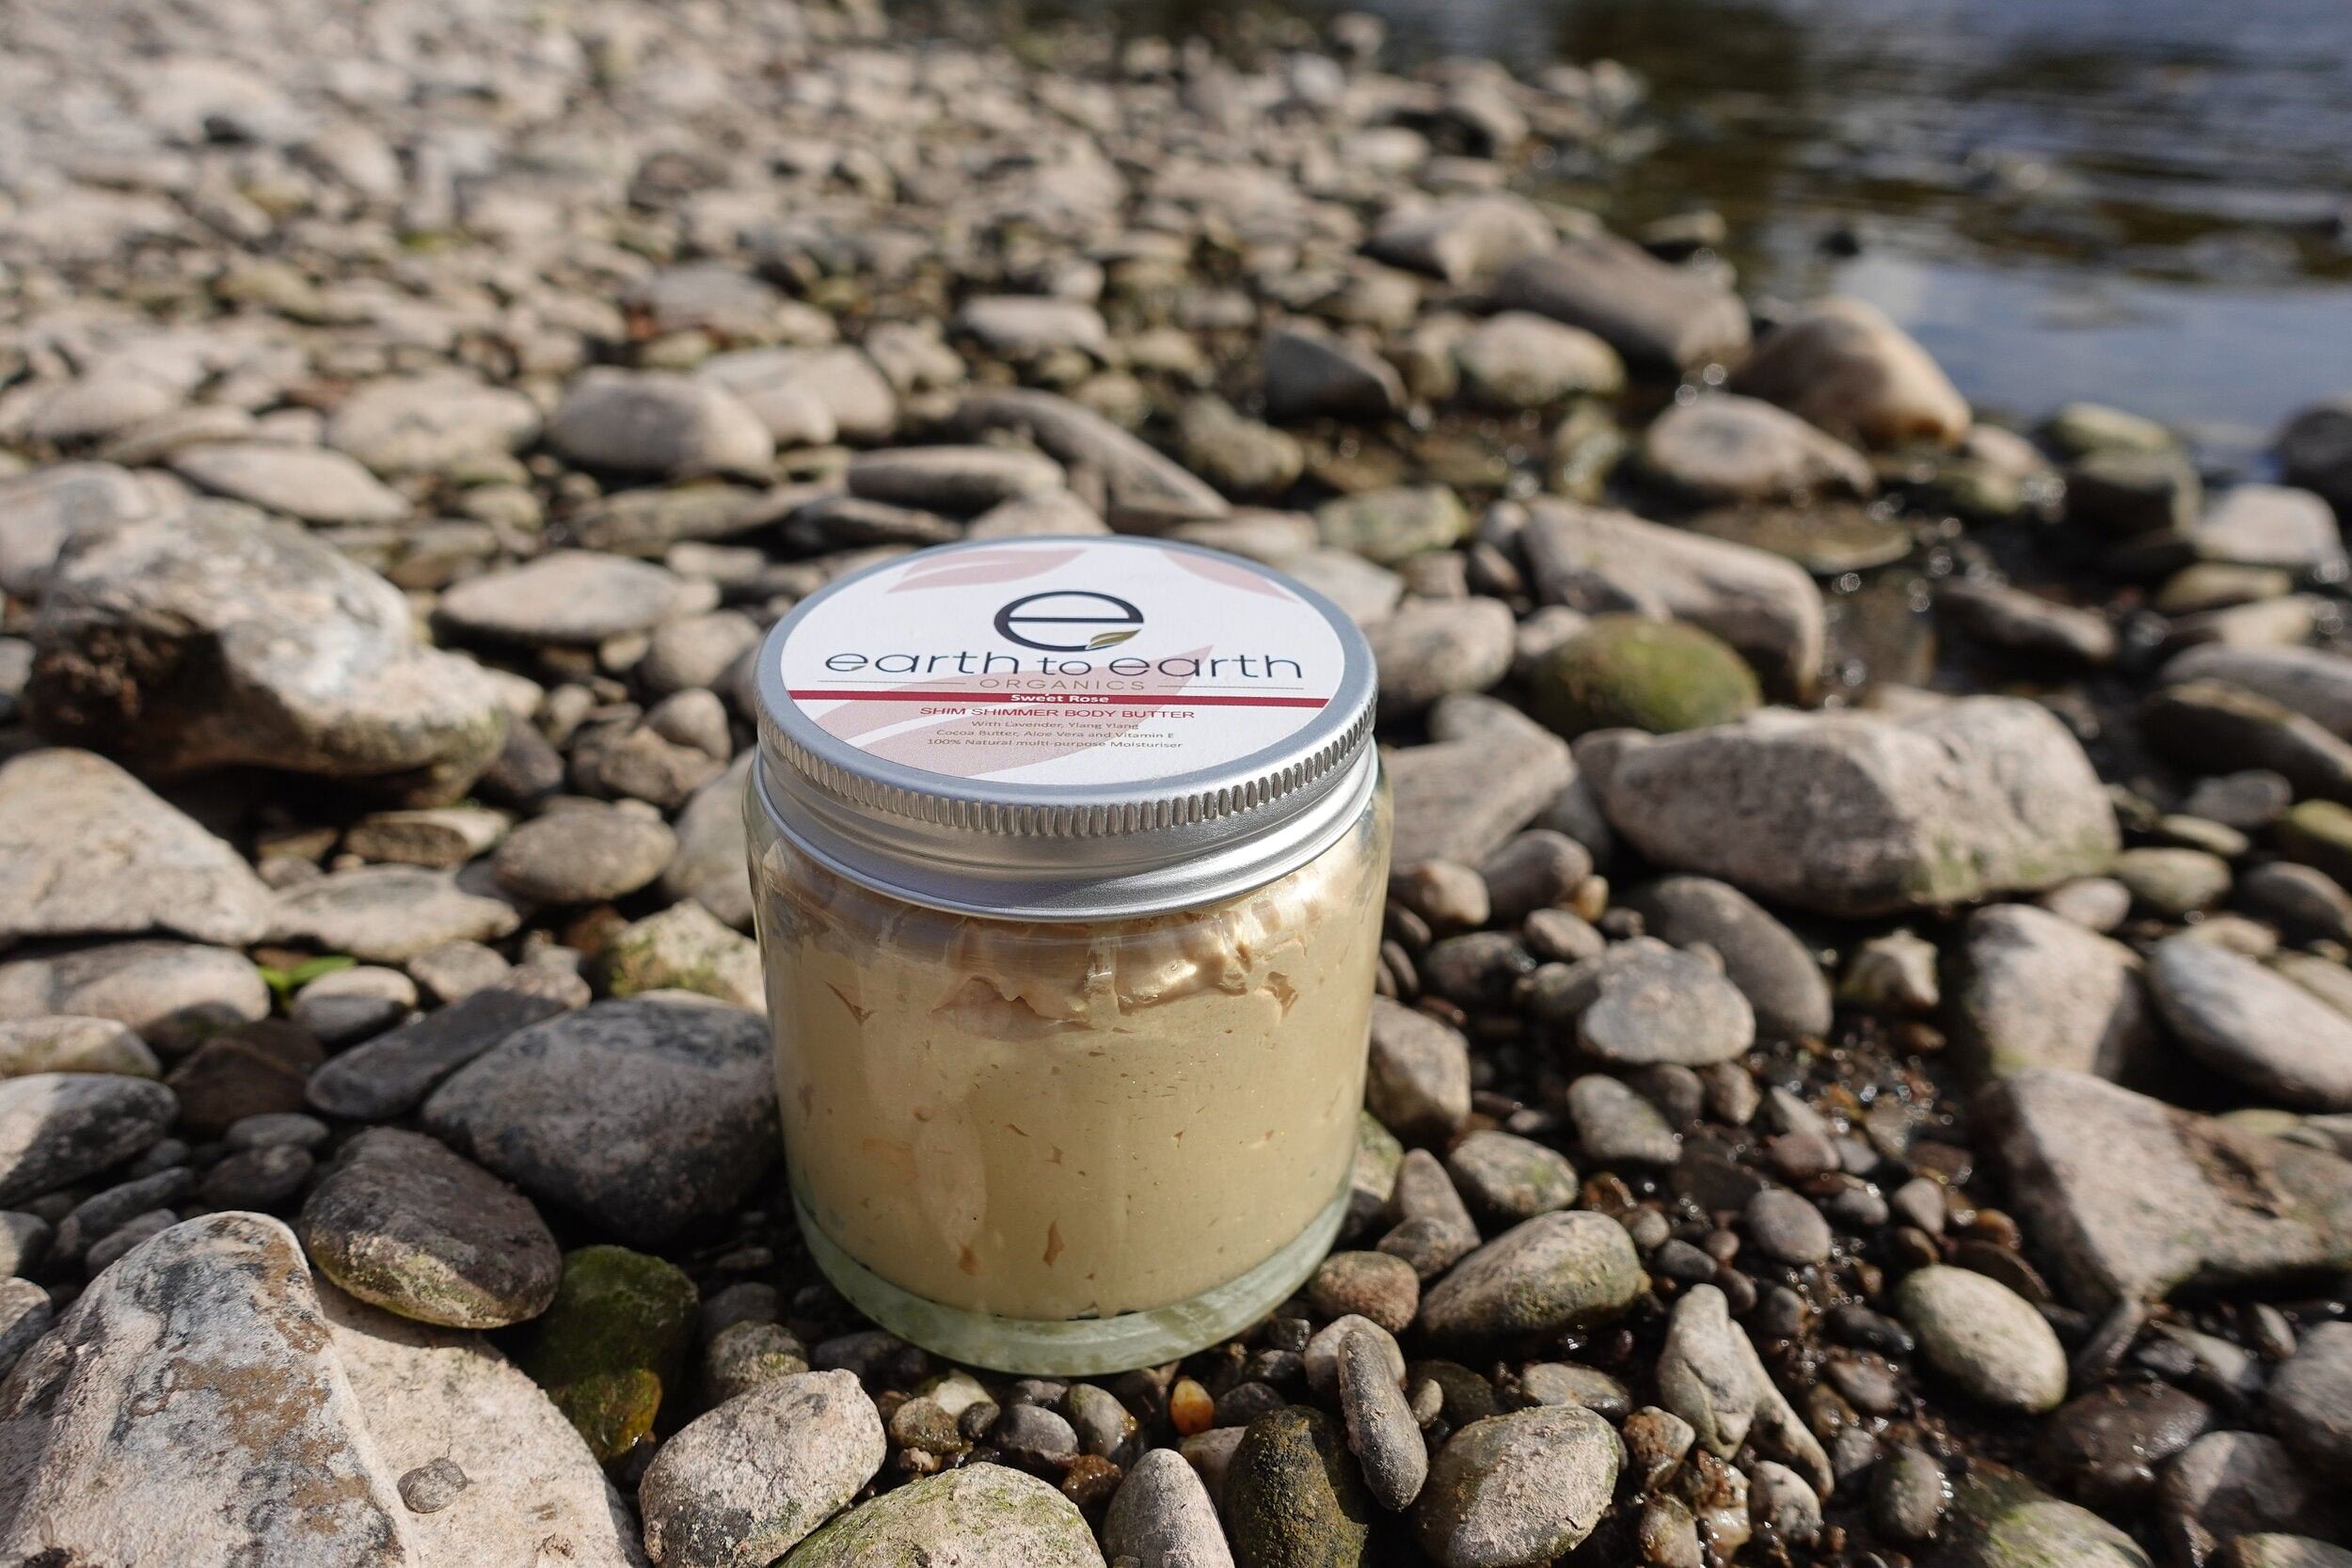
[1982, 1336]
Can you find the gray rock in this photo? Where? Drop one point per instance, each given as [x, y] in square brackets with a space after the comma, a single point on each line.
[2257, 1027]
[583, 854]
[1601, 562]
[57, 1128]
[1518, 1489]
[441, 837]
[808, 396]
[572, 598]
[2026, 624]
[2038, 991]
[1709, 1375]
[1417, 1082]
[25, 1317]
[2230, 1483]
[709, 865]
[2002, 1520]
[436, 1397]
[1552, 1273]
[980, 1516]
[174, 994]
[216, 639]
[1734, 449]
[2313, 682]
[1517, 361]
[1460, 237]
[1782, 981]
[644, 1114]
[1035, 1437]
[1431, 648]
[2269, 525]
[957, 481]
[1365, 591]
[685, 948]
[1381, 1432]
[1986, 1339]
[1461, 800]
[2131, 1198]
[697, 651]
[655, 422]
[432, 1486]
[1311, 372]
[2270, 1549]
[431, 423]
[1842, 365]
[393, 1073]
[1142, 483]
[1238, 454]
[1393, 525]
[1661, 318]
[1565, 1383]
[742, 1485]
[403, 1224]
[85, 849]
[1909, 1494]
[1616, 1126]
[315, 485]
[2108, 1446]
[251, 1446]
[1507, 1178]
[1028, 326]
[2311, 1398]
[62, 1043]
[1322, 1354]
[387, 913]
[1856, 815]
[40, 511]
[1643, 1002]
[1787, 1229]
[24, 1241]
[1161, 1518]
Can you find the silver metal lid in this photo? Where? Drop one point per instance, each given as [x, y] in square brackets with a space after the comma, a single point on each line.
[1058, 772]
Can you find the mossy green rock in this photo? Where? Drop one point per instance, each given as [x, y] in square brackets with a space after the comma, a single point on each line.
[1999, 1519]
[1392, 525]
[1292, 1498]
[1655, 675]
[981, 1517]
[613, 1343]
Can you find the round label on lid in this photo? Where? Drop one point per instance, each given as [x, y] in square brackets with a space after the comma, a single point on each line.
[1098, 662]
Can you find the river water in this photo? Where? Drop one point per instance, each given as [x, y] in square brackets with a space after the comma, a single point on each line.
[2141, 201]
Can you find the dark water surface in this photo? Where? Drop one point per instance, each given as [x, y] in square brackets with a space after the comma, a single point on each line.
[2143, 202]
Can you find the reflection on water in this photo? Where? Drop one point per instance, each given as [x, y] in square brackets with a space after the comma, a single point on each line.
[2140, 199]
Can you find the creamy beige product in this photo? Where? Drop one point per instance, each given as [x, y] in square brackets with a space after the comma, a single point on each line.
[1068, 858]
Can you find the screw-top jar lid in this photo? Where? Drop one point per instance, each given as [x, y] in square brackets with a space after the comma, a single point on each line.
[1065, 728]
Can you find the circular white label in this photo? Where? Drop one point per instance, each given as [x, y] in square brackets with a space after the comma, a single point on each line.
[1063, 661]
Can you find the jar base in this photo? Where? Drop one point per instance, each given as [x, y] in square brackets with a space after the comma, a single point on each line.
[1078, 1347]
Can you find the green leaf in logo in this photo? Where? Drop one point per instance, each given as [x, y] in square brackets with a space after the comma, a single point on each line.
[1110, 639]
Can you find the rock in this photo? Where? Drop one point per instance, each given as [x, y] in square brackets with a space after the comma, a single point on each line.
[173, 994]
[612, 1343]
[1986, 1339]
[1381, 1432]
[583, 855]
[57, 1128]
[1431, 648]
[315, 485]
[248, 1069]
[1660, 317]
[709, 865]
[2268, 1549]
[742, 1485]
[1029, 327]
[1461, 800]
[571, 598]
[2229, 1483]
[85, 848]
[393, 1073]
[1599, 562]
[2041, 991]
[1787, 1228]
[1517, 361]
[1735, 449]
[68, 1044]
[2002, 1520]
[1392, 526]
[1554, 1273]
[41, 509]
[1373, 1285]
[2131, 1198]
[439, 837]
[643, 1113]
[1310, 374]
[1365, 591]
[1624, 671]
[403, 1224]
[808, 396]
[25, 1317]
[1509, 1178]
[685, 948]
[1842, 365]
[1616, 1126]
[1782, 1505]
[2171, 881]
[1856, 815]
[1161, 1518]
[2133, 495]
[2026, 624]
[2314, 449]
[1894, 974]
[250, 1445]
[1417, 1082]
[2311, 1398]
[431, 423]
[216, 639]
[1909, 1494]
[656, 422]
[1236, 453]
[1141, 481]
[432, 1486]
[1709, 1374]
[957, 481]
[1521, 1488]
[387, 913]
[2257, 1027]
[2108, 1446]
[1779, 978]
[1291, 1498]
[2313, 682]
[980, 1516]
[2269, 525]
[1460, 237]
[1643, 1002]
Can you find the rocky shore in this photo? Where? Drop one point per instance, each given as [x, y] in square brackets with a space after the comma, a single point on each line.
[1864, 1070]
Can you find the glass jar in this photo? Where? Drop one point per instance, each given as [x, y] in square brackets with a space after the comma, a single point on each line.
[1069, 918]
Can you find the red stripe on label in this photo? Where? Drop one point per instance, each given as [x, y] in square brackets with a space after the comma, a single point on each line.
[1051, 699]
